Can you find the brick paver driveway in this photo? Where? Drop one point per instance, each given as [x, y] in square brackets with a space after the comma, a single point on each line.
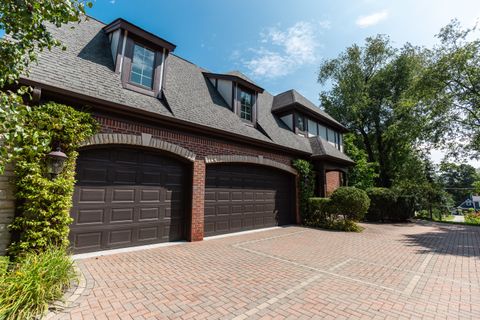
[387, 272]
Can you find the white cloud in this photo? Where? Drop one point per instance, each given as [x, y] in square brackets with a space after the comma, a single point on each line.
[283, 51]
[372, 19]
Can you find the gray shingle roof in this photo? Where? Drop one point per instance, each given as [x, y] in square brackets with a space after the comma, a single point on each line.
[86, 67]
[292, 97]
[323, 149]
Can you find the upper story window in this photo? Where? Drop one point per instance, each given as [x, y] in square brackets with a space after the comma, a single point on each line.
[300, 123]
[142, 66]
[246, 105]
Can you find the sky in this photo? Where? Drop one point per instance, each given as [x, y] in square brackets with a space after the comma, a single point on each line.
[280, 44]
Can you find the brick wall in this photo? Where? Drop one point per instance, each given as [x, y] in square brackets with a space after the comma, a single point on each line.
[333, 181]
[7, 207]
[198, 201]
[201, 145]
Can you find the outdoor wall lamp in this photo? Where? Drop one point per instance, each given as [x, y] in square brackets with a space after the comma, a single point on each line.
[55, 162]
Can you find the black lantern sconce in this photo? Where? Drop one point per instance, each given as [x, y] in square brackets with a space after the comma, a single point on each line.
[55, 162]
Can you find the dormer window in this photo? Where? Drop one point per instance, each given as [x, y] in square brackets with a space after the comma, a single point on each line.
[142, 66]
[246, 105]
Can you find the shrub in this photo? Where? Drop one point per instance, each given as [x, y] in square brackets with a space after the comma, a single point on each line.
[345, 225]
[472, 218]
[319, 211]
[350, 202]
[4, 263]
[43, 204]
[33, 281]
[306, 181]
[404, 208]
[382, 203]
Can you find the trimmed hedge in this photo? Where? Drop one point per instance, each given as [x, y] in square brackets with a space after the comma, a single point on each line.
[386, 205]
[382, 202]
[351, 202]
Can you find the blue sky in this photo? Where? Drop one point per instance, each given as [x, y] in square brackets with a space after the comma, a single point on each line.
[280, 44]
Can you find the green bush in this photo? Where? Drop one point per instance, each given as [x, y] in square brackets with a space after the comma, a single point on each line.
[345, 225]
[306, 181]
[43, 204]
[382, 203]
[350, 202]
[472, 218]
[319, 211]
[4, 263]
[34, 281]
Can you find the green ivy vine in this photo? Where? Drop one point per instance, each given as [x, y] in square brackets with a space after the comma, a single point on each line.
[43, 204]
[306, 181]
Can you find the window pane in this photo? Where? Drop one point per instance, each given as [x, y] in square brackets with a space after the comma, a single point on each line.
[300, 122]
[322, 131]
[288, 120]
[331, 136]
[312, 128]
[246, 105]
[142, 66]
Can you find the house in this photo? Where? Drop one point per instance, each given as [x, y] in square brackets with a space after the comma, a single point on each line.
[472, 202]
[183, 152]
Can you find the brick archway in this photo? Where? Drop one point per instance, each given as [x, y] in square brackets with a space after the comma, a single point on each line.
[251, 160]
[143, 140]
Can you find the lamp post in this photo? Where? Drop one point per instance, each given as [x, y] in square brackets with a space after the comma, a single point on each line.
[55, 162]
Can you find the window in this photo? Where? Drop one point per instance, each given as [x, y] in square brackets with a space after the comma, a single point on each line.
[312, 128]
[322, 131]
[246, 105]
[288, 120]
[331, 137]
[300, 123]
[142, 66]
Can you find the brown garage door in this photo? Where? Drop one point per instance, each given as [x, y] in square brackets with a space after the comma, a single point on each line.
[241, 197]
[126, 197]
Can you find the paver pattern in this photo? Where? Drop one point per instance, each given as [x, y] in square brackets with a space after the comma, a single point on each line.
[403, 271]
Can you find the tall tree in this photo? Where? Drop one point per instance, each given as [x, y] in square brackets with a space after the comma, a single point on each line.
[451, 88]
[24, 21]
[372, 93]
[458, 180]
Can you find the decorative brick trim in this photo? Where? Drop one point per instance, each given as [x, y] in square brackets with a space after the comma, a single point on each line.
[198, 201]
[143, 140]
[249, 159]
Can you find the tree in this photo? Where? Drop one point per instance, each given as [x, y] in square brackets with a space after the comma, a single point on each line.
[24, 23]
[451, 88]
[458, 180]
[372, 93]
[363, 174]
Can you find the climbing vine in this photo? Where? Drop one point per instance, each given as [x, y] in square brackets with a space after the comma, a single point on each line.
[306, 182]
[43, 203]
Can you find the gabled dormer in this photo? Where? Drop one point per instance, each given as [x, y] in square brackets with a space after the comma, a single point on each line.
[305, 119]
[239, 93]
[139, 57]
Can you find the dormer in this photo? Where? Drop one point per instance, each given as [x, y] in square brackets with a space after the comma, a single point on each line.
[239, 93]
[305, 119]
[139, 57]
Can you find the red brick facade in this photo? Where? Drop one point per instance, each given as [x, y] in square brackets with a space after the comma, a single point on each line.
[333, 181]
[201, 145]
[198, 201]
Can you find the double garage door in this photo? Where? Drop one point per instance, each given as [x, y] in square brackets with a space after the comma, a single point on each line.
[126, 197]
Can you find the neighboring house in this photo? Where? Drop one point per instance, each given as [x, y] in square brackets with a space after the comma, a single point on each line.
[183, 153]
[472, 202]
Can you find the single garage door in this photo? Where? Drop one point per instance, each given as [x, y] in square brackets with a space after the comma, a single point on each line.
[126, 197]
[242, 197]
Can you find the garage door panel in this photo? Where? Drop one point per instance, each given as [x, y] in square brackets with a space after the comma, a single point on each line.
[258, 197]
[141, 199]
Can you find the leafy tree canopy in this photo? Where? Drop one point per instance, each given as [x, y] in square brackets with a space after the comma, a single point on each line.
[373, 94]
[24, 23]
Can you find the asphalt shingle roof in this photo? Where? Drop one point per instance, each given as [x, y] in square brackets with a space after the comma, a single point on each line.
[87, 68]
[322, 148]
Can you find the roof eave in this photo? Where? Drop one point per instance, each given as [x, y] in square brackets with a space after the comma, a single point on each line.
[120, 23]
[235, 78]
[300, 107]
[333, 159]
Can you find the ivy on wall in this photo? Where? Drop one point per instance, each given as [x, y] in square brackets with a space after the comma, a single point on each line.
[43, 204]
[306, 180]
